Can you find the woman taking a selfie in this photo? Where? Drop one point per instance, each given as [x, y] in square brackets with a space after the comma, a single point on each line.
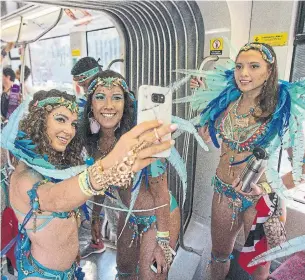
[109, 113]
[49, 183]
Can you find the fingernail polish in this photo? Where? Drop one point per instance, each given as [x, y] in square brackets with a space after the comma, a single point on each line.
[173, 127]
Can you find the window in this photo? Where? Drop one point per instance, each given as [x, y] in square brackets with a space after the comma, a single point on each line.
[51, 62]
[104, 44]
[15, 58]
[298, 61]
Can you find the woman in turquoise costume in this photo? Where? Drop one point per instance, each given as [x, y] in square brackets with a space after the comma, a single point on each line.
[248, 107]
[49, 183]
[148, 234]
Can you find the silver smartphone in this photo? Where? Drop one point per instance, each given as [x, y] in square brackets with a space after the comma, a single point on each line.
[155, 103]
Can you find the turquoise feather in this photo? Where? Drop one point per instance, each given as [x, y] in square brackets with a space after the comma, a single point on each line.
[186, 126]
[133, 199]
[288, 248]
[177, 162]
[156, 169]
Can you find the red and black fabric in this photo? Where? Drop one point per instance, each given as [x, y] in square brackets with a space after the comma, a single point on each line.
[256, 242]
[9, 230]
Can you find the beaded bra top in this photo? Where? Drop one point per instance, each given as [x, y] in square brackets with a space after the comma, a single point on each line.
[248, 137]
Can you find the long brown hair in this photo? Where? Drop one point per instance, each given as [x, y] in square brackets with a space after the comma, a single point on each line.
[35, 126]
[268, 98]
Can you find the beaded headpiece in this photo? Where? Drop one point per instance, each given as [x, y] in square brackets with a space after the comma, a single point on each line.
[57, 101]
[107, 82]
[86, 75]
[266, 53]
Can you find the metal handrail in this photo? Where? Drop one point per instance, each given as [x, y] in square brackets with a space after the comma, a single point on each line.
[185, 154]
[114, 61]
[40, 35]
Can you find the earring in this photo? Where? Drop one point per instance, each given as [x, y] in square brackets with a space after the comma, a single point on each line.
[94, 125]
[63, 155]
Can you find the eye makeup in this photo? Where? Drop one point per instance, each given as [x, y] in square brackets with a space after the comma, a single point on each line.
[60, 117]
[100, 96]
[115, 96]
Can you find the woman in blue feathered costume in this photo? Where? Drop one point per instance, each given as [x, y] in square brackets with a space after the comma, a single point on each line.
[253, 110]
[110, 112]
[45, 191]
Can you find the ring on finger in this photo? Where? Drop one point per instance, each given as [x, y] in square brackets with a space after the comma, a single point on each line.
[157, 135]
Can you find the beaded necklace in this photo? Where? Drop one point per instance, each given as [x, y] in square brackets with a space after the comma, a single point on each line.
[103, 154]
[243, 119]
[247, 137]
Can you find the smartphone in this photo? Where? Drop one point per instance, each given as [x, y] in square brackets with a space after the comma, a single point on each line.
[154, 266]
[155, 103]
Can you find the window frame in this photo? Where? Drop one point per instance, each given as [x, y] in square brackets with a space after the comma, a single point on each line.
[94, 30]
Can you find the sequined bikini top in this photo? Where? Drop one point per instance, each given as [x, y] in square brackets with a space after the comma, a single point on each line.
[248, 137]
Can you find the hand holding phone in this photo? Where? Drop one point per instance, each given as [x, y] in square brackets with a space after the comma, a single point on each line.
[155, 103]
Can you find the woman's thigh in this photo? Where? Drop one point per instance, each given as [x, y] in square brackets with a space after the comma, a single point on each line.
[222, 232]
[127, 257]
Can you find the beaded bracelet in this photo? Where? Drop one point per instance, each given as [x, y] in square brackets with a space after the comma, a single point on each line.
[82, 181]
[86, 187]
[120, 174]
[163, 242]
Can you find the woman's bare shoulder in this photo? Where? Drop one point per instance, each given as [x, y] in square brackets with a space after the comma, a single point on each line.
[24, 177]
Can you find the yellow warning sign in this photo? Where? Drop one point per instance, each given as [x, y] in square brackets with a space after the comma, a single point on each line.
[272, 39]
[216, 46]
[75, 52]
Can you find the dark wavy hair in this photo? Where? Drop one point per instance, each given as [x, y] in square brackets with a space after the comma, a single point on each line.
[7, 71]
[127, 121]
[35, 126]
[268, 98]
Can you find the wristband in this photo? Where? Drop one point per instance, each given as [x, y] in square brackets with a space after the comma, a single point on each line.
[162, 233]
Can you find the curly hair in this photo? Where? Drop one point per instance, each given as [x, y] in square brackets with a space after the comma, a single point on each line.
[268, 98]
[127, 121]
[35, 126]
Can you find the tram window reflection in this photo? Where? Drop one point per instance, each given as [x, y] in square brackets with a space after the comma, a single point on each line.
[51, 61]
[104, 44]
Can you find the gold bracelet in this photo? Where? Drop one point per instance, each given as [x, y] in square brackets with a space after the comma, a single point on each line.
[119, 175]
[86, 187]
